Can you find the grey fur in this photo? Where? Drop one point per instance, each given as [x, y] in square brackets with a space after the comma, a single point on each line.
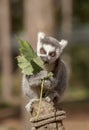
[54, 87]
[58, 83]
[50, 40]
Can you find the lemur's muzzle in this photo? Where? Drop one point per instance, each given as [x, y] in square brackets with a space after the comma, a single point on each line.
[45, 60]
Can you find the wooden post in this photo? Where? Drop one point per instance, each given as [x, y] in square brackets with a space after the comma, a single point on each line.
[66, 9]
[38, 16]
[5, 50]
[50, 118]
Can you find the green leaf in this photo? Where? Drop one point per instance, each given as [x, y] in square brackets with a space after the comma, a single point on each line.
[28, 61]
[26, 49]
[25, 65]
[39, 62]
[36, 67]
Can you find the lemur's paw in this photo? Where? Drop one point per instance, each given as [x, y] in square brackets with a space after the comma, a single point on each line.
[47, 84]
[29, 107]
[48, 99]
[33, 128]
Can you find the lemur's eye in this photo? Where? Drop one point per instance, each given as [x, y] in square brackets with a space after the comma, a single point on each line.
[42, 51]
[52, 54]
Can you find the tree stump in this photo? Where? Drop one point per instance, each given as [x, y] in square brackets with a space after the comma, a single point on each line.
[49, 118]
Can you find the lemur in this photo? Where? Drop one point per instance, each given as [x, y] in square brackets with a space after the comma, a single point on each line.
[49, 49]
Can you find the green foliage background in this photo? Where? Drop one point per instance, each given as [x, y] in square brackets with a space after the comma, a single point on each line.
[80, 66]
[81, 11]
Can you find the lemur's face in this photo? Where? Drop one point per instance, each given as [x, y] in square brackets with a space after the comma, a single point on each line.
[49, 53]
[48, 48]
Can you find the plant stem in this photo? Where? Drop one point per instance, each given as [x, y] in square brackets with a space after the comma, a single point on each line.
[38, 112]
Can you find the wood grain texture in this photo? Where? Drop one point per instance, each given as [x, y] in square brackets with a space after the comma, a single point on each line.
[49, 117]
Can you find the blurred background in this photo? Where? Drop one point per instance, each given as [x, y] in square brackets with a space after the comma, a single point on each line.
[68, 19]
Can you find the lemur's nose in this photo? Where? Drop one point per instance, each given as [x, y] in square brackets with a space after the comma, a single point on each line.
[46, 62]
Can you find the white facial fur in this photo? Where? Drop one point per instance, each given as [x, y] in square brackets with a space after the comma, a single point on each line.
[49, 48]
[41, 35]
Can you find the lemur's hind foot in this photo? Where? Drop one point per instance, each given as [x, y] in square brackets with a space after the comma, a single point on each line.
[29, 107]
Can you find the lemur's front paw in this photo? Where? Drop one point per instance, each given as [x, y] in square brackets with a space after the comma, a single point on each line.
[29, 107]
[47, 84]
[48, 99]
[42, 74]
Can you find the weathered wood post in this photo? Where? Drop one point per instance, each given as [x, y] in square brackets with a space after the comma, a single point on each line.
[66, 26]
[5, 46]
[50, 118]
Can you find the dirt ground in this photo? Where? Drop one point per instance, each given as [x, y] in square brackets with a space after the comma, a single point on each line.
[77, 123]
[77, 116]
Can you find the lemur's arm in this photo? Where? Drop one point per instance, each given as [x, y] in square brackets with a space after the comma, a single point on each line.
[59, 78]
[36, 79]
[51, 83]
[31, 82]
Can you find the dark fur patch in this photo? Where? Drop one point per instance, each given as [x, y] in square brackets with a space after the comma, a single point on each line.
[50, 40]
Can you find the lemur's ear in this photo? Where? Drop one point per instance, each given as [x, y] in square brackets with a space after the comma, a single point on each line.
[63, 44]
[41, 35]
